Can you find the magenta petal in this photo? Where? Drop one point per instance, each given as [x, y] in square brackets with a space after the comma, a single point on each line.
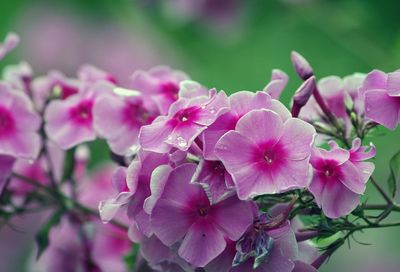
[183, 136]
[262, 125]
[295, 175]
[154, 251]
[317, 187]
[109, 208]
[232, 216]
[171, 214]
[338, 200]
[382, 108]
[202, 243]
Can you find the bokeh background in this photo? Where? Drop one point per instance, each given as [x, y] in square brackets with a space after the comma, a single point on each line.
[229, 44]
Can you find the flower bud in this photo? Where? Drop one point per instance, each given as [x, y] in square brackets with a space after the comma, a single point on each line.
[301, 65]
[302, 95]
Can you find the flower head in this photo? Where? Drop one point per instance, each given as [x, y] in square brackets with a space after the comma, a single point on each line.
[119, 119]
[267, 155]
[340, 178]
[381, 93]
[19, 124]
[160, 84]
[186, 209]
[186, 119]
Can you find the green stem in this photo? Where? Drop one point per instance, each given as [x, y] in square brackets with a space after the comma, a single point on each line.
[66, 201]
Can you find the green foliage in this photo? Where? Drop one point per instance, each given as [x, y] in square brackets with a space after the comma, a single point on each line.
[42, 237]
[130, 258]
[394, 178]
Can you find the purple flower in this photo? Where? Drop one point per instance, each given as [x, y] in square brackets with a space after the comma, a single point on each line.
[18, 124]
[186, 119]
[160, 84]
[214, 178]
[381, 94]
[138, 188]
[10, 42]
[340, 177]
[186, 210]
[119, 119]
[69, 122]
[241, 103]
[335, 90]
[267, 155]
[267, 245]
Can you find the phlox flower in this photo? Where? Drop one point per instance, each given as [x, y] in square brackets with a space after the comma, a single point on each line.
[160, 84]
[183, 211]
[186, 119]
[119, 119]
[69, 122]
[241, 103]
[6, 165]
[134, 191]
[335, 91]
[267, 155]
[19, 124]
[340, 177]
[381, 93]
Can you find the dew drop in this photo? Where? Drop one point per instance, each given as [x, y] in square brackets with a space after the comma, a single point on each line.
[181, 141]
[212, 111]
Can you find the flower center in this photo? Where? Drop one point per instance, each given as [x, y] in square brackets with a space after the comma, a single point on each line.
[7, 122]
[136, 115]
[203, 211]
[170, 89]
[82, 112]
[269, 156]
[186, 115]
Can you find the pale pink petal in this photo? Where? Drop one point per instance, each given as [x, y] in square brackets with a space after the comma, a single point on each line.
[152, 137]
[393, 84]
[261, 125]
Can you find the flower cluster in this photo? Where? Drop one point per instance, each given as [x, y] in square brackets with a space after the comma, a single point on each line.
[205, 181]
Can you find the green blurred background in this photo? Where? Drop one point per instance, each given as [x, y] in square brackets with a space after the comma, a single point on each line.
[337, 37]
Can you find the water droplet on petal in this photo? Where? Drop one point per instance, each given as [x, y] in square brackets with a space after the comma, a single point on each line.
[181, 142]
[169, 138]
[212, 111]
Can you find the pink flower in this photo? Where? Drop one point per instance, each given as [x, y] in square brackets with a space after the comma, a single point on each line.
[160, 84]
[261, 248]
[69, 122]
[187, 212]
[186, 119]
[135, 186]
[340, 177]
[267, 155]
[19, 124]
[241, 103]
[119, 119]
[335, 90]
[10, 42]
[381, 94]
[214, 178]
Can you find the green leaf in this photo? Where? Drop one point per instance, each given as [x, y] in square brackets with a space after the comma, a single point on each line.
[130, 258]
[69, 164]
[42, 237]
[394, 178]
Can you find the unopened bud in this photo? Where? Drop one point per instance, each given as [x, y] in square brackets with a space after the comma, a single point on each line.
[302, 95]
[301, 66]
